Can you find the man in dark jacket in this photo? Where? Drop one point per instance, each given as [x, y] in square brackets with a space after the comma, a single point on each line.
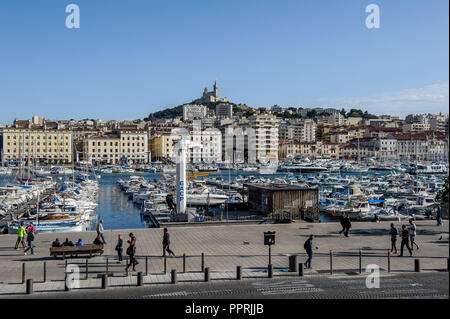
[166, 243]
[347, 225]
[308, 247]
[439, 215]
[67, 242]
[405, 241]
[30, 239]
[342, 224]
[56, 243]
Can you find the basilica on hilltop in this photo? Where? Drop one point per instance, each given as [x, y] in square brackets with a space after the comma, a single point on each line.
[211, 97]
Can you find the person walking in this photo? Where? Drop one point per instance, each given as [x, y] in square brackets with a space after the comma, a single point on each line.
[412, 234]
[439, 215]
[166, 243]
[405, 241]
[131, 251]
[119, 248]
[302, 211]
[20, 236]
[31, 227]
[394, 233]
[342, 224]
[100, 231]
[347, 225]
[30, 239]
[308, 247]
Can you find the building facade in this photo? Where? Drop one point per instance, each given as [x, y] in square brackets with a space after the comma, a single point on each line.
[119, 147]
[266, 136]
[36, 145]
[194, 111]
[224, 110]
[211, 150]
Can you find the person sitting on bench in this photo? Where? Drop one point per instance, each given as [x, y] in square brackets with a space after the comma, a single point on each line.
[56, 243]
[79, 243]
[67, 242]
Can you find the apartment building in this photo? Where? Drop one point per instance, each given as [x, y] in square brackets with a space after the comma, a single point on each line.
[224, 110]
[387, 147]
[162, 146]
[120, 146]
[416, 127]
[336, 119]
[439, 123]
[421, 146]
[265, 141]
[211, 150]
[295, 148]
[354, 151]
[339, 137]
[101, 149]
[194, 111]
[36, 144]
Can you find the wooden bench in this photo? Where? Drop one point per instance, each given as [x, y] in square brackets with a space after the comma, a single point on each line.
[76, 250]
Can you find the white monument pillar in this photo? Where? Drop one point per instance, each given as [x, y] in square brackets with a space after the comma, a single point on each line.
[181, 178]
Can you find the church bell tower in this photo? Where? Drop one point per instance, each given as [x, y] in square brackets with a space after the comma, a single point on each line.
[216, 89]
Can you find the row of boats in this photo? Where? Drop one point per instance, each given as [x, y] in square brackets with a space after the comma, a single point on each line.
[388, 196]
[301, 165]
[50, 205]
[156, 198]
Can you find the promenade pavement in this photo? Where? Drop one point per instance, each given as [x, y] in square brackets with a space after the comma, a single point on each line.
[224, 248]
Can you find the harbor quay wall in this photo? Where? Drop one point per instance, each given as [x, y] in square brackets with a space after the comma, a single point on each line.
[227, 246]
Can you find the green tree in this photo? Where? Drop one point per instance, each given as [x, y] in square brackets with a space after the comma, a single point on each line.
[311, 114]
[249, 113]
[443, 194]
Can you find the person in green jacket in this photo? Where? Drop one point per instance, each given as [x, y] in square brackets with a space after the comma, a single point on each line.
[21, 236]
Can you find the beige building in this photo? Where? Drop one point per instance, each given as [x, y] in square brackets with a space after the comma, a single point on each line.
[101, 149]
[37, 145]
[353, 121]
[162, 146]
[339, 137]
[416, 127]
[293, 148]
[122, 146]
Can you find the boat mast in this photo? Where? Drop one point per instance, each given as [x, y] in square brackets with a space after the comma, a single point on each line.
[37, 210]
[359, 155]
[73, 165]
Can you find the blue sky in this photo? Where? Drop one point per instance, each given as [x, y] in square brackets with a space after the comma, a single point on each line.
[131, 58]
